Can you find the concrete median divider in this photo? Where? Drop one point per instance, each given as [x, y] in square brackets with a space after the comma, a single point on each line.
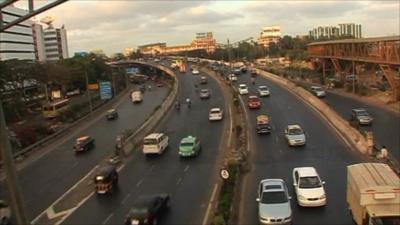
[349, 134]
[136, 137]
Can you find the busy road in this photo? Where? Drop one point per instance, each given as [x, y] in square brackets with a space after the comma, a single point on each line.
[51, 175]
[271, 157]
[188, 181]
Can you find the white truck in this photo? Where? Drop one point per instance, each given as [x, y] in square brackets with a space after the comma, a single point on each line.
[373, 194]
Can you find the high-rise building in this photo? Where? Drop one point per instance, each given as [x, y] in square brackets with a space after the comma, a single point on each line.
[204, 41]
[269, 35]
[17, 41]
[55, 43]
[38, 41]
[342, 30]
[350, 29]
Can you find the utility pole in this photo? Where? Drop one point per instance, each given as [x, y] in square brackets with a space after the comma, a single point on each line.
[17, 204]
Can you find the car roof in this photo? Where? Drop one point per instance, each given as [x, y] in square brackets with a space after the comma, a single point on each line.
[253, 96]
[215, 109]
[105, 170]
[111, 110]
[262, 86]
[242, 85]
[306, 171]
[145, 201]
[273, 184]
[188, 139]
[83, 138]
[153, 135]
[204, 89]
[294, 126]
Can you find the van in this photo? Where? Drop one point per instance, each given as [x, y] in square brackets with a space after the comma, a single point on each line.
[155, 143]
[136, 97]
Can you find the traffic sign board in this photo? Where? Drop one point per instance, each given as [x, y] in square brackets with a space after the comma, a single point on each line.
[224, 174]
[105, 90]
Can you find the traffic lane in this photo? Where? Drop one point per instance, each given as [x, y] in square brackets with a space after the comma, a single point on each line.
[273, 158]
[45, 180]
[386, 124]
[167, 173]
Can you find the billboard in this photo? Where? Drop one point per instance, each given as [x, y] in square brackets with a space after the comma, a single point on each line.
[105, 90]
[132, 70]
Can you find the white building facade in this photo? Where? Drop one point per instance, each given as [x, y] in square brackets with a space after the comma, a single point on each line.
[269, 35]
[342, 30]
[17, 41]
[55, 43]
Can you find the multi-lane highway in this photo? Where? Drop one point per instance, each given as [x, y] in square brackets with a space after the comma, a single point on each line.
[47, 178]
[189, 181]
[272, 158]
[385, 122]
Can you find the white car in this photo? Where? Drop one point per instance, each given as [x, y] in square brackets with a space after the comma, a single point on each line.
[195, 72]
[273, 202]
[232, 77]
[295, 135]
[155, 143]
[215, 114]
[318, 91]
[243, 89]
[308, 186]
[263, 91]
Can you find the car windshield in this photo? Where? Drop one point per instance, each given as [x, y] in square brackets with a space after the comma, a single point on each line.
[274, 197]
[187, 144]
[204, 91]
[295, 131]
[362, 113]
[150, 141]
[309, 182]
[263, 88]
[215, 111]
[242, 87]
[317, 89]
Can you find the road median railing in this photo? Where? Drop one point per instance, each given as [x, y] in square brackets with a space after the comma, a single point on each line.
[98, 109]
[233, 158]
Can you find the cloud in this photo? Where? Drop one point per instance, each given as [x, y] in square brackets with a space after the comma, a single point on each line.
[113, 25]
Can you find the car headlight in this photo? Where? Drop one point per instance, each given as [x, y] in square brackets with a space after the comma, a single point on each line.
[288, 218]
[322, 196]
[301, 197]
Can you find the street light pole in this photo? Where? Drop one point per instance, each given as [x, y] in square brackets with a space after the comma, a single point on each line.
[11, 174]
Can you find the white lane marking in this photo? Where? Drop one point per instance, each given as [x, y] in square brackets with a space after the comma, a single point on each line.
[210, 204]
[72, 210]
[65, 194]
[179, 181]
[125, 199]
[139, 183]
[108, 218]
[186, 169]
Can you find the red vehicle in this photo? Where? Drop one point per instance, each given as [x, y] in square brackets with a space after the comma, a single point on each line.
[254, 102]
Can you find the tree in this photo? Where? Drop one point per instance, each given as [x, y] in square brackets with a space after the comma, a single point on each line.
[273, 49]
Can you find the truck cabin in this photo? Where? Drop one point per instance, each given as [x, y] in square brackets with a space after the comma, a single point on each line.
[263, 125]
[106, 179]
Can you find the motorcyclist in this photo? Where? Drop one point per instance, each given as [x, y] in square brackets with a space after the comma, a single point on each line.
[177, 105]
[188, 102]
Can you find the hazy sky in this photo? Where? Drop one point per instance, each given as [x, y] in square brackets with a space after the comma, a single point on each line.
[113, 25]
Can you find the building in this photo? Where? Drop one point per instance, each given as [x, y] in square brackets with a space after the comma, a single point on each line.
[342, 30]
[350, 29]
[38, 41]
[128, 51]
[204, 41]
[55, 43]
[17, 41]
[269, 35]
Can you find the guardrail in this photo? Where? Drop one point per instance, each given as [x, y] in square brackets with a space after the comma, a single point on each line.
[64, 130]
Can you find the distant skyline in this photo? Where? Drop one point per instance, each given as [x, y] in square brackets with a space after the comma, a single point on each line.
[115, 25]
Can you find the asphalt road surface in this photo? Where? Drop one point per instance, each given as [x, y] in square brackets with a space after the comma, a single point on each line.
[46, 179]
[271, 157]
[189, 181]
[386, 124]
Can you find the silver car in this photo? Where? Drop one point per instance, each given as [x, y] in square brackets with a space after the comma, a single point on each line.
[361, 116]
[274, 202]
[318, 91]
[295, 135]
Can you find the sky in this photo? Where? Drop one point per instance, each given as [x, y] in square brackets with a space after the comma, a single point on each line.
[112, 25]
